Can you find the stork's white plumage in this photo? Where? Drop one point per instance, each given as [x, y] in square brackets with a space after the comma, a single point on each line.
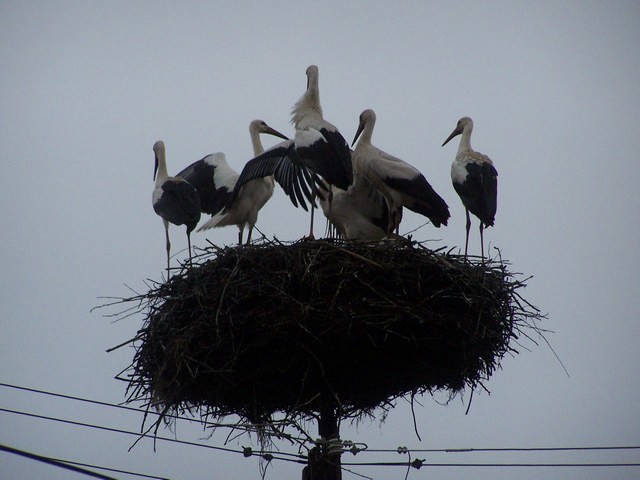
[358, 213]
[216, 181]
[475, 179]
[401, 184]
[174, 199]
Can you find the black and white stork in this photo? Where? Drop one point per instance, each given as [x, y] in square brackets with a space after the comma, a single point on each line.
[215, 181]
[358, 213]
[174, 199]
[401, 184]
[317, 148]
[475, 179]
[319, 144]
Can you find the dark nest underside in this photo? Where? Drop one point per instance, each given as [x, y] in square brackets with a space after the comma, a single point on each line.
[285, 328]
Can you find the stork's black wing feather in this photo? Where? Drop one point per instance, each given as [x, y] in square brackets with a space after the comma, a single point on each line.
[284, 164]
[326, 153]
[490, 192]
[420, 197]
[342, 153]
[201, 175]
[179, 203]
[479, 191]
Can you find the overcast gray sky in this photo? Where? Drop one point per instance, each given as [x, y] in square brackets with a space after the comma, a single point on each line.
[86, 88]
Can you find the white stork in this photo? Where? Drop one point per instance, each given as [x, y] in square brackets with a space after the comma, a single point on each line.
[319, 144]
[358, 213]
[174, 199]
[318, 148]
[215, 181]
[401, 184]
[475, 179]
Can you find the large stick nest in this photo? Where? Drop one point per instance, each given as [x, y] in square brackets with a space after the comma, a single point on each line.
[277, 327]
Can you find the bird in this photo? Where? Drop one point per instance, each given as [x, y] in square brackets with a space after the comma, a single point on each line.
[475, 179]
[359, 213]
[215, 181]
[320, 144]
[174, 199]
[401, 184]
[318, 150]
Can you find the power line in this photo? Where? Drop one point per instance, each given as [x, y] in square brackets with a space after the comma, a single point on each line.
[115, 405]
[245, 452]
[54, 462]
[422, 463]
[80, 399]
[498, 449]
[205, 423]
[110, 469]
[357, 450]
[302, 459]
[78, 464]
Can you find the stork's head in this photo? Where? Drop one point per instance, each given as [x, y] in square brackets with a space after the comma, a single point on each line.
[260, 126]
[309, 103]
[465, 123]
[158, 150]
[312, 75]
[367, 119]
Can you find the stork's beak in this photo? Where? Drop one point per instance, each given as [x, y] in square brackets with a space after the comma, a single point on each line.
[155, 168]
[456, 131]
[275, 133]
[358, 132]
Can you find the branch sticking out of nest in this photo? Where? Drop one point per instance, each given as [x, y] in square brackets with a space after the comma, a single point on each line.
[275, 327]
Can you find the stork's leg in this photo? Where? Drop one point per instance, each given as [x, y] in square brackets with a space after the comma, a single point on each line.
[189, 243]
[398, 219]
[329, 230]
[311, 225]
[168, 243]
[466, 241]
[249, 234]
[240, 231]
[481, 240]
[391, 222]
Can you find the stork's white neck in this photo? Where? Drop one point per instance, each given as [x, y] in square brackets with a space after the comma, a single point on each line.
[308, 105]
[256, 142]
[161, 173]
[367, 122]
[367, 133]
[465, 140]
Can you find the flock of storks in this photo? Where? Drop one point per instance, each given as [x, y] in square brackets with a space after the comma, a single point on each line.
[362, 191]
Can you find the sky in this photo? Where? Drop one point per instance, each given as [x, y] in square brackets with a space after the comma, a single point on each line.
[87, 88]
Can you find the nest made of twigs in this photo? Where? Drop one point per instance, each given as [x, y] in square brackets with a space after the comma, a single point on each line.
[276, 327]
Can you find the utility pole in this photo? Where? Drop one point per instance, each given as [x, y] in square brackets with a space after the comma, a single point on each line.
[324, 458]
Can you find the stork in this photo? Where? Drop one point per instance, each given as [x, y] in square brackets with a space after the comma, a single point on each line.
[317, 149]
[215, 181]
[475, 179]
[358, 213]
[174, 199]
[401, 184]
[319, 144]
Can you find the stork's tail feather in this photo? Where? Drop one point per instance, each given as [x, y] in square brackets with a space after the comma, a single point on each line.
[212, 222]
